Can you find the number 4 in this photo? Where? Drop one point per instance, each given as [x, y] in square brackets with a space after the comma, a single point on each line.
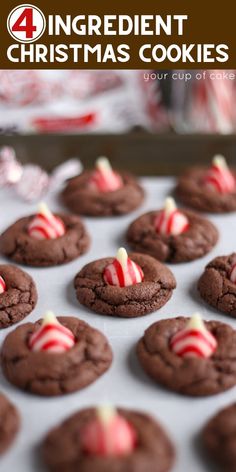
[28, 27]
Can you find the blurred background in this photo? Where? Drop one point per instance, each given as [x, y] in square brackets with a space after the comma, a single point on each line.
[150, 122]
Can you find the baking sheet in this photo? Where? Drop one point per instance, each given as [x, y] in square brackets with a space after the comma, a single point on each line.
[125, 384]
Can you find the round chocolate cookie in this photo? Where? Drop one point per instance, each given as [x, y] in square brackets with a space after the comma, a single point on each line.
[18, 245]
[219, 438]
[215, 285]
[80, 198]
[9, 423]
[134, 300]
[192, 192]
[193, 243]
[46, 373]
[189, 375]
[154, 451]
[20, 296]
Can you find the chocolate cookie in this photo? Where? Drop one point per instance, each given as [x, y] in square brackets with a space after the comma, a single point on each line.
[189, 375]
[51, 374]
[80, 198]
[20, 296]
[195, 242]
[18, 245]
[135, 300]
[9, 423]
[192, 192]
[219, 438]
[215, 285]
[63, 453]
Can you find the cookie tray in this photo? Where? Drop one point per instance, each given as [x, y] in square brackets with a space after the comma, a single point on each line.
[125, 383]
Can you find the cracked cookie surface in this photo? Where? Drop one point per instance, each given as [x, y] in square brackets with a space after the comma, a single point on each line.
[215, 286]
[219, 438]
[135, 300]
[189, 376]
[197, 241]
[55, 373]
[80, 198]
[191, 191]
[16, 243]
[62, 451]
[9, 423]
[20, 297]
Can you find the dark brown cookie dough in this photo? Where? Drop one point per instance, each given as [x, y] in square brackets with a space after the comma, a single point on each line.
[197, 241]
[20, 297]
[19, 246]
[62, 451]
[9, 423]
[193, 193]
[216, 287]
[49, 374]
[189, 376]
[219, 438]
[136, 300]
[80, 198]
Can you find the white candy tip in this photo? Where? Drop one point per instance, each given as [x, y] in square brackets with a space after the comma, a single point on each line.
[196, 322]
[43, 208]
[49, 318]
[170, 205]
[219, 161]
[122, 256]
[103, 164]
[106, 413]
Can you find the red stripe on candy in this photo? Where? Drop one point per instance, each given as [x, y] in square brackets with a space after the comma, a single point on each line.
[44, 329]
[49, 344]
[193, 333]
[191, 349]
[41, 230]
[120, 273]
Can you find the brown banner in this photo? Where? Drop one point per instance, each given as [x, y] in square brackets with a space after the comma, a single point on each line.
[107, 35]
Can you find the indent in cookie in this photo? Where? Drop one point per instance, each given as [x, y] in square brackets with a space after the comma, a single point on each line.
[123, 272]
[108, 434]
[170, 220]
[219, 178]
[194, 340]
[45, 225]
[52, 336]
[103, 178]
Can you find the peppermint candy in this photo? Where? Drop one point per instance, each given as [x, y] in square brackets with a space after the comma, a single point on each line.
[104, 179]
[10, 169]
[109, 434]
[45, 225]
[232, 274]
[3, 286]
[52, 336]
[219, 177]
[194, 340]
[123, 272]
[33, 184]
[170, 220]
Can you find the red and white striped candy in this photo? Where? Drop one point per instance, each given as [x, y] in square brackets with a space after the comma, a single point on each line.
[52, 336]
[232, 274]
[123, 272]
[109, 434]
[10, 169]
[45, 225]
[3, 286]
[219, 177]
[104, 178]
[171, 221]
[194, 340]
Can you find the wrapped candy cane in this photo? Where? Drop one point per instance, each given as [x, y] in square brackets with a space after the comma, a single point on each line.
[52, 336]
[123, 272]
[170, 220]
[45, 225]
[104, 179]
[3, 286]
[109, 434]
[219, 177]
[194, 340]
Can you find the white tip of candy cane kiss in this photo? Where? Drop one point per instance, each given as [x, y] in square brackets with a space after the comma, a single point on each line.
[105, 413]
[122, 256]
[219, 161]
[103, 164]
[43, 209]
[196, 323]
[49, 318]
[170, 205]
